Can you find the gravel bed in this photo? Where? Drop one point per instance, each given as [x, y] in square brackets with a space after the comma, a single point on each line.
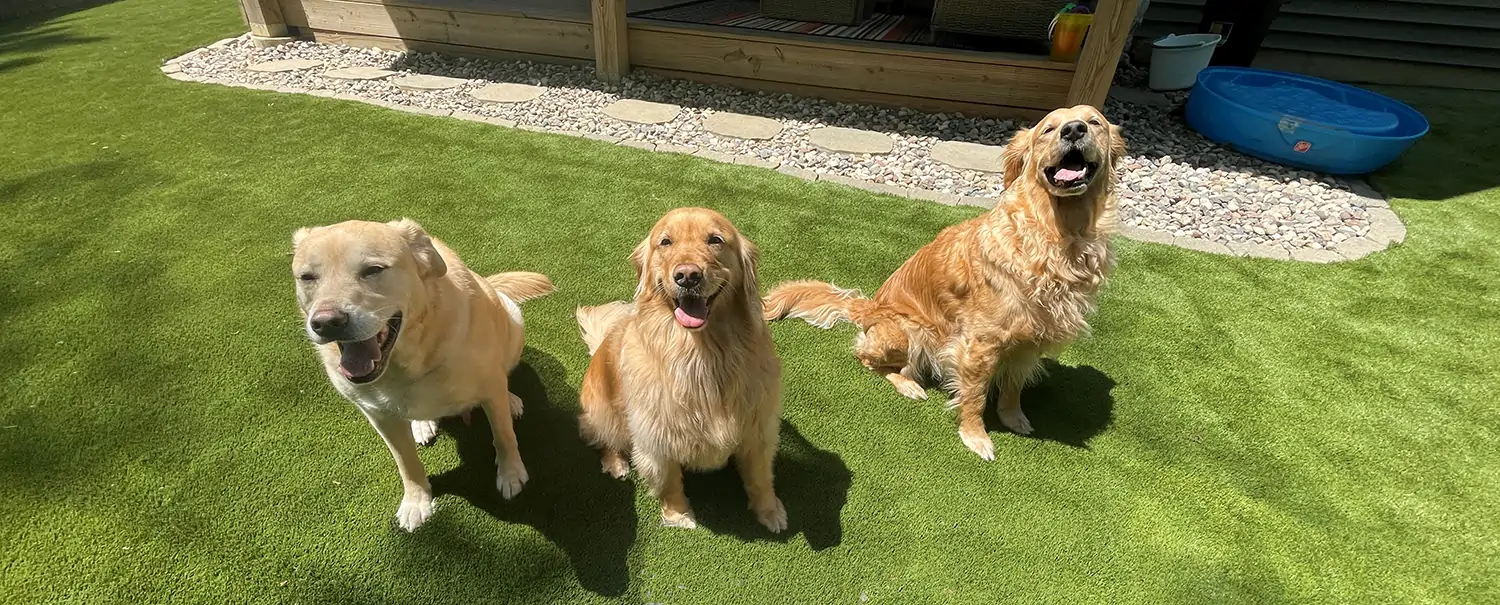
[1175, 181]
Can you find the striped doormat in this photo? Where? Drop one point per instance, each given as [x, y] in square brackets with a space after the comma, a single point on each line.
[746, 14]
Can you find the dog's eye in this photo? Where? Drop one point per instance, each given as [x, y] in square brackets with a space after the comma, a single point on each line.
[371, 271]
[308, 277]
[1049, 129]
[715, 239]
[666, 241]
[1094, 122]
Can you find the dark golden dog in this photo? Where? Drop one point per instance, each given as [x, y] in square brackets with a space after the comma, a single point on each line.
[989, 297]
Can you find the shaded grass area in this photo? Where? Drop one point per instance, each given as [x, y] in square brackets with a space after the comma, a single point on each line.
[1235, 431]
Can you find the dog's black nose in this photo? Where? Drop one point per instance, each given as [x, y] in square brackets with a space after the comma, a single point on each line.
[328, 323]
[1072, 131]
[687, 276]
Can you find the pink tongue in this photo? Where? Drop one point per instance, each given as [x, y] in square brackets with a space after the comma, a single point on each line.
[1064, 174]
[357, 359]
[687, 321]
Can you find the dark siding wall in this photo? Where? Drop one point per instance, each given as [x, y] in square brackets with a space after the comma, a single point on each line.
[1448, 43]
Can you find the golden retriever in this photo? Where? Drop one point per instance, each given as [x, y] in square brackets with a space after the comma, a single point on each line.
[685, 376]
[986, 299]
[410, 335]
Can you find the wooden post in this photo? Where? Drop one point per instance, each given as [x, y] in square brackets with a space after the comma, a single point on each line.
[264, 17]
[611, 42]
[1095, 70]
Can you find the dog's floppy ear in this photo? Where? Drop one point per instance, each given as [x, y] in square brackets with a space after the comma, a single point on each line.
[1116, 146]
[1013, 159]
[641, 258]
[430, 264]
[299, 235]
[749, 272]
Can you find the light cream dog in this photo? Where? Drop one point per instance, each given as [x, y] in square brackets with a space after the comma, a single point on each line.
[686, 375]
[410, 335]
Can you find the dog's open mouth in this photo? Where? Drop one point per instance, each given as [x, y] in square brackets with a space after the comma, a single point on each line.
[362, 361]
[692, 310]
[1073, 172]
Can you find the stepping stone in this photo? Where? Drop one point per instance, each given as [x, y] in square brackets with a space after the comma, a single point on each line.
[742, 126]
[1311, 255]
[642, 112]
[1359, 247]
[426, 82]
[284, 65]
[359, 73]
[968, 156]
[1385, 227]
[849, 140]
[509, 93]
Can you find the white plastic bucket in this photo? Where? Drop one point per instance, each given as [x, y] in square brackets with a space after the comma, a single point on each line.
[1176, 60]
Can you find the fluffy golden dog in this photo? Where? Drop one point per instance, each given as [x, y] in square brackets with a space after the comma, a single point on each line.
[686, 376]
[410, 335]
[989, 297]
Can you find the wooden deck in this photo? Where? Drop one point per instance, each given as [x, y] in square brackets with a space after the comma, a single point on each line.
[599, 31]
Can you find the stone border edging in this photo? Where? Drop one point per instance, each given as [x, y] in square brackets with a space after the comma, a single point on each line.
[1386, 228]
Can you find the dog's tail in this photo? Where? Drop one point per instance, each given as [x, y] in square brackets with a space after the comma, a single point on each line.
[819, 303]
[596, 322]
[521, 286]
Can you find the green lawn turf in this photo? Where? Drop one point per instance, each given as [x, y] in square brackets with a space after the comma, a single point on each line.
[1234, 431]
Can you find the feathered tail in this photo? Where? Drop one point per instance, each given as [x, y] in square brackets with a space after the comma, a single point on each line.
[819, 303]
[521, 286]
[596, 322]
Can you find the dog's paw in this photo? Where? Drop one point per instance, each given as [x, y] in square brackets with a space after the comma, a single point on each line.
[680, 520]
[516, 408]
[979, 443]
[424, 431]
[1015, 421]
[912, 390]
[616, 467]
[414, 511]
[772, 515]
[907, 387]
[510, 479]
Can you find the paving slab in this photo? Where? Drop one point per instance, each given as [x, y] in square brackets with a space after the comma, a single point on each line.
[1251, 250]
[1359, 247]
[1385, 226]
[1313, 255]
[428, 82]
[642, 112]
[359, 73]
[508, 93]
[801, 173]
[968, 156]
[741, 126]
[850, 140]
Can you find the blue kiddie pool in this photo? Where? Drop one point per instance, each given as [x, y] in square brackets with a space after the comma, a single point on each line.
[1301, 121]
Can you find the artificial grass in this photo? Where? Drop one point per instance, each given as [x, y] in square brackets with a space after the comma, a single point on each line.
[1235, 431]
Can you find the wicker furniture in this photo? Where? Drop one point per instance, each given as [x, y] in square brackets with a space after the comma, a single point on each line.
[1016, 19]
[839, 12]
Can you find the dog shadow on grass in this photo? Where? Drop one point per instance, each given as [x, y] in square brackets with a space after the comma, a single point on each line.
[584, 512]
[1069, 405]
[813, 484]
